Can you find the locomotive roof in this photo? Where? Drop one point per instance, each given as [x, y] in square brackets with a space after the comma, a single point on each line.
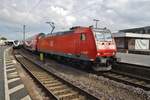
[76, 27]
[60, 33]
[66, 32]
[101, 29]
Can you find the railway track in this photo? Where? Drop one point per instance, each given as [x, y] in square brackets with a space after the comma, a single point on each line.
[139, 71]
[128, 79]
[55, 87]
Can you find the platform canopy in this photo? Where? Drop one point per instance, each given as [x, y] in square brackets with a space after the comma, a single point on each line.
[133, 35]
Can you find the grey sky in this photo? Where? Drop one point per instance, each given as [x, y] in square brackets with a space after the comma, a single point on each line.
[114, 14]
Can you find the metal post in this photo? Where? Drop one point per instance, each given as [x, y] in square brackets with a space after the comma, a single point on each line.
[24, 27]
[41, 56]
[96, 22]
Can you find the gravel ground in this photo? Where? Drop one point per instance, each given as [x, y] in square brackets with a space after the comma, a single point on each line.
[105, 88]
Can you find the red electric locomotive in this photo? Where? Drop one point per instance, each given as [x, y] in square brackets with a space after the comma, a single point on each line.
[85, 44]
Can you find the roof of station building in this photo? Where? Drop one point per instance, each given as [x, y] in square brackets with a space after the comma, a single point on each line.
[133, 35]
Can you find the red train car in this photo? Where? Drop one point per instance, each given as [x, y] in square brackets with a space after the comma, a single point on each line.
[86, 44]
[31, 43]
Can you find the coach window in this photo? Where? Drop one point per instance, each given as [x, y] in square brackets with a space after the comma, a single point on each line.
[82, 36]
[41, 36]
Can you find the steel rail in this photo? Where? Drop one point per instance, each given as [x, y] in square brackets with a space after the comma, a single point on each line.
[78, 91]
[127, 79]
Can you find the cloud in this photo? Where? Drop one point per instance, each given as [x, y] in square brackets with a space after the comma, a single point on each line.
[114, 14]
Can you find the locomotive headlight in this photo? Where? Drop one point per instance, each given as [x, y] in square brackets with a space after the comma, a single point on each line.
[114, 53]
[98, 54]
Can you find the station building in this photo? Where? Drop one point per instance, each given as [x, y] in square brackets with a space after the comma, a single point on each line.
[133, 40]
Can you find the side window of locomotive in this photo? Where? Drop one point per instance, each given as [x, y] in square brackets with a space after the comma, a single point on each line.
[82, 37]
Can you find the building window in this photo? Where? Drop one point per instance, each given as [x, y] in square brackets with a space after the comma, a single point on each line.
[148, 31]
[82, 37]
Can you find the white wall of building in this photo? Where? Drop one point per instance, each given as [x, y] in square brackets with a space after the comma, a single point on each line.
[141, 44]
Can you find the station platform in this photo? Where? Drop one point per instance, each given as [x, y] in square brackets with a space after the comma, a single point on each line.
[142, 52]
[137, 59]
[11, 85]
[2, 89]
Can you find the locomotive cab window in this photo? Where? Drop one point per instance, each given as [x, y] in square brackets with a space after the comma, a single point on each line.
[82, 37]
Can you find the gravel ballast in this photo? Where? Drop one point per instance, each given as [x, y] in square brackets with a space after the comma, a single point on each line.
[103, 87]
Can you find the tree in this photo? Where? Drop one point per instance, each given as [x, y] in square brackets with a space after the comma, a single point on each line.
[3, 38]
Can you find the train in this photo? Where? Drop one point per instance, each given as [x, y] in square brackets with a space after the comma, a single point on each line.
[90, 46]
[17, 44]
[14, 43]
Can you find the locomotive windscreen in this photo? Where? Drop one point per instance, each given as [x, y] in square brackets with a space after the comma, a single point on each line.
[103, 35]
